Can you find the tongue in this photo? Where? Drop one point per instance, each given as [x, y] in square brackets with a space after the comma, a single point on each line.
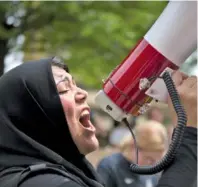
[85, 121]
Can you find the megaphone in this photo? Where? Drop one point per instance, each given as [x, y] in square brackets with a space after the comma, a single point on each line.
[165, 47]
[133, 84]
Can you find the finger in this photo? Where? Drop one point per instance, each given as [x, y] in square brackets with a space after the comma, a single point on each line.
[178, 77]
[182, 74]
[195, 86]
[190, 82]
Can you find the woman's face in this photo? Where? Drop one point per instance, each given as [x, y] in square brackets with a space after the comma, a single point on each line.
[145, 157]
[77, 111]
[150, 157]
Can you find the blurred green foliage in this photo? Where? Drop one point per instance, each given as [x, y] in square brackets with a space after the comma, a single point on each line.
[92, 36]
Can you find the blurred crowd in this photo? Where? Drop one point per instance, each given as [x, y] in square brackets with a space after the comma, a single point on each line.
[153, 132]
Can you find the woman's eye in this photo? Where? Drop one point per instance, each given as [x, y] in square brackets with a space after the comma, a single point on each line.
[63, 92]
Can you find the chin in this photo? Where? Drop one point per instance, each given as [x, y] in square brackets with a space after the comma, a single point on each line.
[90, 145]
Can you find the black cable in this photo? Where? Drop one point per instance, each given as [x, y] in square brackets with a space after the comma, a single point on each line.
[177, 136]
[135, 142]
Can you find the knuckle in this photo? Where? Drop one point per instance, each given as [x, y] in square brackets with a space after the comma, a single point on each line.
[181, 91]
[193, 78]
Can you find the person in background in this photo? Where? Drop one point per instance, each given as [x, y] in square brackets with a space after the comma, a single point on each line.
[155, 113]
[152, 141]
[170, 129]
[118, 134]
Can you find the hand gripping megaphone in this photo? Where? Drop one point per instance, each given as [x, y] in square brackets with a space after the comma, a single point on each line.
[133, 84]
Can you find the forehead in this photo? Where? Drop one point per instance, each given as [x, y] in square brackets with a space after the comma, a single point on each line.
[59, 72]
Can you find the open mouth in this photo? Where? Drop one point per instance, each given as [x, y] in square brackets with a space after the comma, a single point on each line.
[85, 120]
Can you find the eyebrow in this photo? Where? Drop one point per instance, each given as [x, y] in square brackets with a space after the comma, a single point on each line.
[65, 78]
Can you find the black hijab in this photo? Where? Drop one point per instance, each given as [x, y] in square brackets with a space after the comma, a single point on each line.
[33, 127]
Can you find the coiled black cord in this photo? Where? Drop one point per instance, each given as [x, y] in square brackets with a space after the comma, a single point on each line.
[177, 136]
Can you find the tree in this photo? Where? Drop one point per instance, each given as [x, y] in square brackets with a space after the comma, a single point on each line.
[92, 37]
[16, 18]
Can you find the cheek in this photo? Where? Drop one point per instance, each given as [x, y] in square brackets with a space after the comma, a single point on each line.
[161, 155]
[141, 160]
[68, 107]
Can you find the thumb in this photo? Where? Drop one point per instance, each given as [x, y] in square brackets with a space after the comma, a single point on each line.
[178, 77]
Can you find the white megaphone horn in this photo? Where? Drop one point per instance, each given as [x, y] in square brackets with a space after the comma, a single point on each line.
[165, 47]
[145, 73]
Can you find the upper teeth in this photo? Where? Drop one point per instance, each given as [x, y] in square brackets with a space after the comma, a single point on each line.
[85, 112]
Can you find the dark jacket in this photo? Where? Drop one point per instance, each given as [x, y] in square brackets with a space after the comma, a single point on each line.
[33, 130]
[183, 170]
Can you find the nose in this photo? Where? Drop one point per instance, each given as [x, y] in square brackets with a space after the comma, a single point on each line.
[81, 95]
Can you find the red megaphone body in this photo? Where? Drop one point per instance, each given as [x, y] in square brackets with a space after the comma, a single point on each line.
[134, 83]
